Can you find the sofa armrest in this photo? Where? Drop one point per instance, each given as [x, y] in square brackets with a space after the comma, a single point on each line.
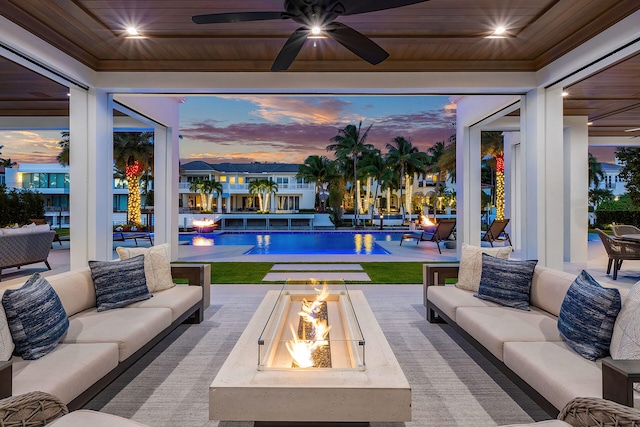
[196, 275]
[35, 408]
[6, 379]
[595, 412]
[618, 377]
[436, 274]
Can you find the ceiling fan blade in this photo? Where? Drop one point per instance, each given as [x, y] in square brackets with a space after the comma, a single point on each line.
[353, 7]
[357, 43]
[222, 18]
[290, 49]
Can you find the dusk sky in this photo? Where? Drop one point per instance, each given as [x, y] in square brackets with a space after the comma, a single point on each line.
[281, 129]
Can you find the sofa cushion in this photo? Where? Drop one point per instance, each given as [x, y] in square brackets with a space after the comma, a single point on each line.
[506, 282]
[36, 317]
[449, 298]
[179, 299]
[157, 268]
[6, 342]
[66, 372]
[554, 370]
[130, 328]
[75, 290]
[625, 341]
[494, 326]
[119, 284]
[548, 288]
[471, 264]
[587, 316]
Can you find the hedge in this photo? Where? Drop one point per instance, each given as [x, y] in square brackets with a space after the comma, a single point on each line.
[605, 218]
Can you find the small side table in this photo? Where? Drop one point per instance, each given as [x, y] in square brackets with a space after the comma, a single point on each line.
[618, 377]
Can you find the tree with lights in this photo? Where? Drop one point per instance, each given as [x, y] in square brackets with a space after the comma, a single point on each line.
[263, 188]
[493, 146]
[133, 157]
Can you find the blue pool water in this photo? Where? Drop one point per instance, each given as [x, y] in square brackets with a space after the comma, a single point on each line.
[300, 243]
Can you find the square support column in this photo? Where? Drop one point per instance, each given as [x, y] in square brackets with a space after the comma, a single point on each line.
[543, 189]
[91, 171]
[576, 215]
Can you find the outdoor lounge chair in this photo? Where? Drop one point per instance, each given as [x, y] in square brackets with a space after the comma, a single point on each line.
[618, 251]
[440, 233]
[40, 221]
[496, 232]
[621, 230]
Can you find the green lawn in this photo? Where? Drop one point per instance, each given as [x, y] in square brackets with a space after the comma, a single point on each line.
[253, 272]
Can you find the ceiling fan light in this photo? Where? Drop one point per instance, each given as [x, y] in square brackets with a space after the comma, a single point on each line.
[132, 31]
[315, 30]
[499, 31]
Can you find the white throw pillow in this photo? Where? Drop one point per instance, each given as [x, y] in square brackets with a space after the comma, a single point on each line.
[6, 342]
[157, 269]
[625, 341]
[471, 264]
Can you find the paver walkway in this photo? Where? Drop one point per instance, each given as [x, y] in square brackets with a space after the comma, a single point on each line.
[316, 271]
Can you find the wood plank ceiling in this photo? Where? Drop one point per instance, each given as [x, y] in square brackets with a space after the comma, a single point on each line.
[436, 35]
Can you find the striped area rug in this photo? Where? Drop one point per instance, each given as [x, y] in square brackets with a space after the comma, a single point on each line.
[451, 384]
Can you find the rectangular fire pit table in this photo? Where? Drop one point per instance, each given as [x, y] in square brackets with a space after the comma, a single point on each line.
[375, 392]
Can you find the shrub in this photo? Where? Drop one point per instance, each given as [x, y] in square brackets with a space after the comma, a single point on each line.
[18, 206]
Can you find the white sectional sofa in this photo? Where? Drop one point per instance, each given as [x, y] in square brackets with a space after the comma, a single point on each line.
[526, 345]
[99, 346]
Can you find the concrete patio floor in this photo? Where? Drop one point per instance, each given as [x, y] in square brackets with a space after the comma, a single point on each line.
[424, 252]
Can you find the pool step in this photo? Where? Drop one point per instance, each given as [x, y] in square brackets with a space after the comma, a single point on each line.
[317, 272]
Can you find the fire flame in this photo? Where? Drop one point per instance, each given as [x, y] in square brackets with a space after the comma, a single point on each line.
[301, 350]
[426, 222]
[201, 223]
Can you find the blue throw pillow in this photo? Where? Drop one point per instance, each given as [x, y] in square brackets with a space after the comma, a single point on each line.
[587, 316]
[119, 283]
[506, 282]
[36, 317]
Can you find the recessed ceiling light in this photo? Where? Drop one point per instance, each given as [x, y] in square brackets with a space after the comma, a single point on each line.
[132, 31]
[632, 130]
[499, 31]
[316, 30]
[589, 123]
[565, 94]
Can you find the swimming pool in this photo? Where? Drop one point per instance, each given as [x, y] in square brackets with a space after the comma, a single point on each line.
[299, 243]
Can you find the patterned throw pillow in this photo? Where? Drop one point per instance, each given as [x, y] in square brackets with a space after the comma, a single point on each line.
[471, 264]
[587, 316]
[625, 341]
[157, 268]
[506, 282]
[6, 342]
[120, 283]
[36, 317]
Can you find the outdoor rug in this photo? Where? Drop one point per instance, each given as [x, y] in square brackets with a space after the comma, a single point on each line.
[452, 385]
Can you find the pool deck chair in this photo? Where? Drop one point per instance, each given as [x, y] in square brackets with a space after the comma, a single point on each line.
[440, 233]
[617, 251]
[496, 232]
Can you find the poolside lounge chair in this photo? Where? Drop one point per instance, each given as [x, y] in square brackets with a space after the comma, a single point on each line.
[618, 250]
[440, 233]
[496, 232]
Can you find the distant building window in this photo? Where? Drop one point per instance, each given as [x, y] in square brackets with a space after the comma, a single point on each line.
[232, 180]
[223, 178]
[240, 180]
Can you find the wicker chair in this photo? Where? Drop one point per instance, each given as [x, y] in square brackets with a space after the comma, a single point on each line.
[596, 412]
[621, 230]
[33, 409]
[618, 251]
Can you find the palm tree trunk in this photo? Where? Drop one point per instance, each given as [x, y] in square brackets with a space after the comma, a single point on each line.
[133, 199]
[356, 189]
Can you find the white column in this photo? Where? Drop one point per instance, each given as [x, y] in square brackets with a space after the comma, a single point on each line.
[576, 166]
[165, 179]
[91, 176]
[543, 189]
[468, 166]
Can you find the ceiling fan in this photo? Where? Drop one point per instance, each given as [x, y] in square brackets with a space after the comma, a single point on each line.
[317, 18]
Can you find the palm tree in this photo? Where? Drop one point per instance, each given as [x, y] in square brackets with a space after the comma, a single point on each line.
[133, 156]
[350, 144]
[596, 174]
[197, 186]
[263, 188]
[63, 156]
[375, 166]
[405, 160]
[317, 169]
[211, 187]
[6, 163]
